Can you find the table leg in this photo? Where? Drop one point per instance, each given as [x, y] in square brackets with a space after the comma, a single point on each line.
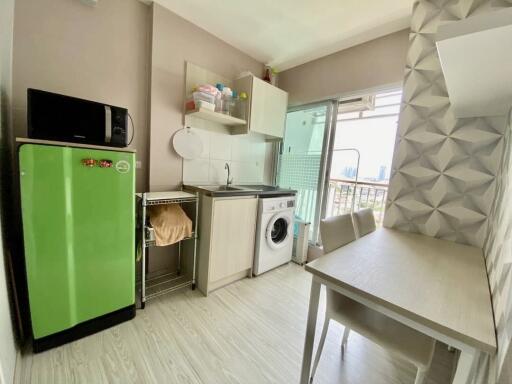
[465, 366]
[314, 297]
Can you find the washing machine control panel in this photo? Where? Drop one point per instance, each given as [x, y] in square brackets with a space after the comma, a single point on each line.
[278, 204]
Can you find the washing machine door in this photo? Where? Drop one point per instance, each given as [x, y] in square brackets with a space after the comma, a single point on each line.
[279, 230]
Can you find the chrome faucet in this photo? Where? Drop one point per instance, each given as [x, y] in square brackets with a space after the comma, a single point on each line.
[229, 180]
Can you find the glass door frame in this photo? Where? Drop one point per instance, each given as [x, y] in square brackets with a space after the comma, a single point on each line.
[326, 157]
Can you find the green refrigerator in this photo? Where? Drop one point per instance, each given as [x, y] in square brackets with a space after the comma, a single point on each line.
[78, 214]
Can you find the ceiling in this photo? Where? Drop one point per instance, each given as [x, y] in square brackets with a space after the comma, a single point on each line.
[287, 33]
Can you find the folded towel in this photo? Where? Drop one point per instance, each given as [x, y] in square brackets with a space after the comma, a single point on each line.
[170, 223]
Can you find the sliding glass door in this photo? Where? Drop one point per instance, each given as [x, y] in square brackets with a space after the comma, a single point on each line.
[337, 155]
[302, 161]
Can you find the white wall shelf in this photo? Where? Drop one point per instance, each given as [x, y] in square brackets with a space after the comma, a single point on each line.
[475, 55]
[216, 117]
[266, 105]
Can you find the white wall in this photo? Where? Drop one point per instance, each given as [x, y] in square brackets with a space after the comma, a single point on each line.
[7, 345]
[245, 155]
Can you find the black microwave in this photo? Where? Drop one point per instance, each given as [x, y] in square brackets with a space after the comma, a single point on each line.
[63, 118]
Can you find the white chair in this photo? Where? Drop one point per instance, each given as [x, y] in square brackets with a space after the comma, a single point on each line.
[364, 222]
[397, 338]
[336, 231]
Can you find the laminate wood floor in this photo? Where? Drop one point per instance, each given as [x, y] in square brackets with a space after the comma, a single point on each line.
[249, 332]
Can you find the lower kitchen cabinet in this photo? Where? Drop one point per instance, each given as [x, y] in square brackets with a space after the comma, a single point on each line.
[226, 244]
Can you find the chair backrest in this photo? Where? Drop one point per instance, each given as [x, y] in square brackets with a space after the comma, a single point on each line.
[364, 221]
[336, 232]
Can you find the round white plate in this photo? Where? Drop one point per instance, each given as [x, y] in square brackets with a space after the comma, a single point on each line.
[187, 144]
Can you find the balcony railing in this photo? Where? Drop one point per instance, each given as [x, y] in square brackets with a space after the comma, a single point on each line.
[343, 194]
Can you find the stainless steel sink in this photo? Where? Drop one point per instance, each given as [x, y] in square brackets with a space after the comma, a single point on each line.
[220, 188]
[235, 190]
[261, 187]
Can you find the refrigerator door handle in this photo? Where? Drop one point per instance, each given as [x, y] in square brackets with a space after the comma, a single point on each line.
[89, 162]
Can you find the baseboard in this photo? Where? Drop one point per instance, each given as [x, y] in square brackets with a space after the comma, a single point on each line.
[83, 329]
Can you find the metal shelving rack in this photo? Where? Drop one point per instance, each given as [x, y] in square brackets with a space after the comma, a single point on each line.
[150, 288]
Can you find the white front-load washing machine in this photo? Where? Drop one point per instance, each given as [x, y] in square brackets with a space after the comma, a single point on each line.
[274, 233]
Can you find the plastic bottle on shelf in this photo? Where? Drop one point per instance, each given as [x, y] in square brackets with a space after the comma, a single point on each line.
[242, 106]
[227, 96]
[219, 99]
[234, 104]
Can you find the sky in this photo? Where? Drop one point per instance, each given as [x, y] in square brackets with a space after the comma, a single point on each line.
[374, 138]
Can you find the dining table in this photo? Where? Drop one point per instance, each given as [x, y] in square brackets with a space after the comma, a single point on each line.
[437, 287]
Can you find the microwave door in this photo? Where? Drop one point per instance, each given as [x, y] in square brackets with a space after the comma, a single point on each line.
[63, 118]
[87, 122]
[108, 124]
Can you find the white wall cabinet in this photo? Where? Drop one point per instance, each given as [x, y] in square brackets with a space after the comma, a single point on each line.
[266, 107]
[226, 243]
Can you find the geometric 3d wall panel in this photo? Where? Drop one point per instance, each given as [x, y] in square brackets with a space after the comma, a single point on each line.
[498, 251]
[444, 169]
[449, 176]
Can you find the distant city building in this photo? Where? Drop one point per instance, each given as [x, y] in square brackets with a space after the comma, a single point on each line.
[350, 172]
[382, 173]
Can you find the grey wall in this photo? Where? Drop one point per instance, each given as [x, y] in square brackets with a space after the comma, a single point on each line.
[377, 63]
[176, 41]
[99, 53]
[452, 178]
[7, 344]
[120, 53]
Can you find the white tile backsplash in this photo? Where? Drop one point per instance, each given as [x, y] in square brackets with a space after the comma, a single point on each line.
[220, 146]
[247, 171]
[218, 174]
[258, 150]
[244, 153]
[241, 149]
[205, 139]
[197, 171]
